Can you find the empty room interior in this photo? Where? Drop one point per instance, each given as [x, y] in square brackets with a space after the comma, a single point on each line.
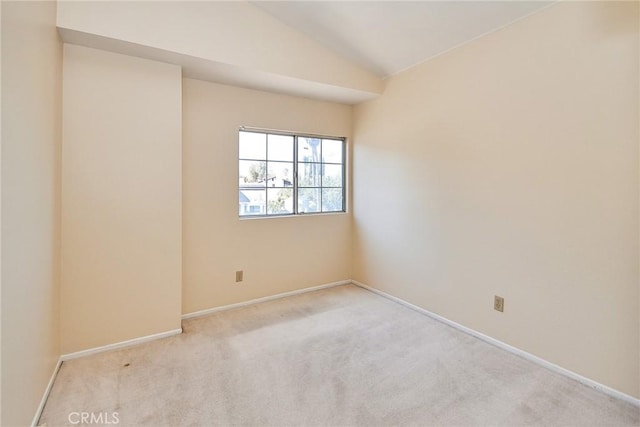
[320, 213]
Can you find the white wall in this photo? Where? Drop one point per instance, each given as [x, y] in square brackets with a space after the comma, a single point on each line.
[240, 42]
[31, 134]
[509, 166]
[0, 213]
[121, 198]
[276, 254]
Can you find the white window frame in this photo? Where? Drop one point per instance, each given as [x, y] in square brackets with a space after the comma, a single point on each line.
[295, 188]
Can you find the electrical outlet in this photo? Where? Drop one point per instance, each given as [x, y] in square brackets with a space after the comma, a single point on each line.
[239, 276]
[498, 303]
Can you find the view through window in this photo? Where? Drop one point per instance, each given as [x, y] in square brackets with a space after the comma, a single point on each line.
[289, 174]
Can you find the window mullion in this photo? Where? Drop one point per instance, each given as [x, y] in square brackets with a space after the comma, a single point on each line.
[295, 175]
[321, 174]
[266, 176]
[315, 166]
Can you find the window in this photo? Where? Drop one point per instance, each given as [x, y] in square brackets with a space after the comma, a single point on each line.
[290, 174]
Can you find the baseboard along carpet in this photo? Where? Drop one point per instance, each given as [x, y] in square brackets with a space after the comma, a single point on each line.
[341, 356]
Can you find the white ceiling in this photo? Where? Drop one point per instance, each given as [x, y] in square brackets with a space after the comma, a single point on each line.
[387, 37]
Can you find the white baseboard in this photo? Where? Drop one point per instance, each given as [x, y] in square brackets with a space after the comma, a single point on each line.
[121, 344]
[263, 299]
[46, 393]
[528, 356]
[535, 359]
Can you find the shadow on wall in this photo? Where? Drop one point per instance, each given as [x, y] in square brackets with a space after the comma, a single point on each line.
[609, 20]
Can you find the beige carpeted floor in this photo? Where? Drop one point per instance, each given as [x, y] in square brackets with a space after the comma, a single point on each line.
[340, 356]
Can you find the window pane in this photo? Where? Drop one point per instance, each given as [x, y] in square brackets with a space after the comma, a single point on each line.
[252, 146]
[252, 173]
[308, 149]
[279, 201]
[268, 162]
[252, 202]
[280, 147]
[309, 174]
[331, 151]
[309, 200]
[332, 176]
[280, 174]
[331, 199]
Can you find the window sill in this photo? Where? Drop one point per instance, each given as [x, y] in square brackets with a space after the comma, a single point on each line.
[258, 217]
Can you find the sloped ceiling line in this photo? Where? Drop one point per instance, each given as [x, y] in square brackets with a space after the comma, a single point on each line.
[333, 51]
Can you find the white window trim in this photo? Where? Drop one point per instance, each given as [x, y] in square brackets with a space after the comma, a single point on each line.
[295, 187]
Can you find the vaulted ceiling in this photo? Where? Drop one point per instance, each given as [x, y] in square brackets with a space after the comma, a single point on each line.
[336, 51]
[387, 37]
